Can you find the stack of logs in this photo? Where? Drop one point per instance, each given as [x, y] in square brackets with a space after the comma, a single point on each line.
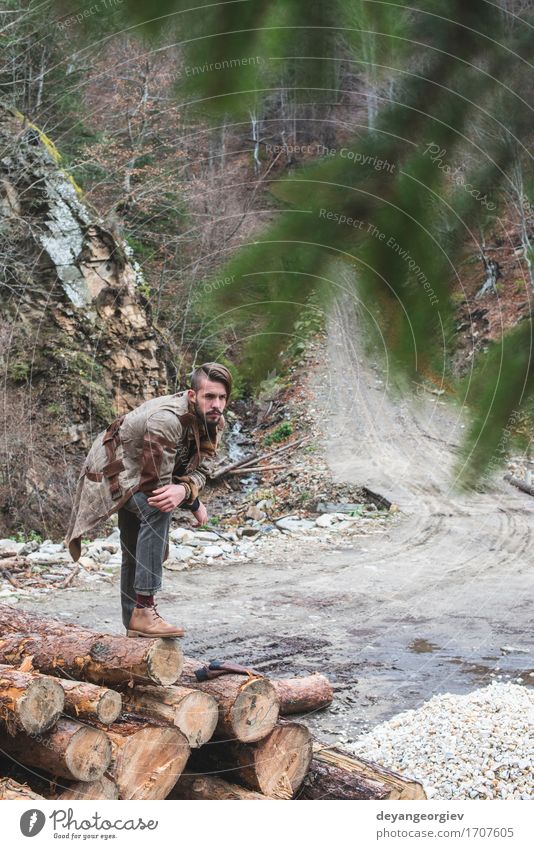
[98, 716]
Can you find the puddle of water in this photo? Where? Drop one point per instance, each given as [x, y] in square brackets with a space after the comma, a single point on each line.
[486, 674]
[422, 646]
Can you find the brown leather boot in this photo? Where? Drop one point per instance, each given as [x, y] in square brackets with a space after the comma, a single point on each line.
[146, 622]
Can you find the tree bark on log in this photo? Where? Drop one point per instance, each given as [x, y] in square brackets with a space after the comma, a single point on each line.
[104, 788]
[11, 790]
[66, 650]
[89, 701]
[248, 707]
[147, 759]
[193, 712]
[71, 750]
[193, 786]
[275, 766]
[337, 775]
[29, 701]
[303, 694]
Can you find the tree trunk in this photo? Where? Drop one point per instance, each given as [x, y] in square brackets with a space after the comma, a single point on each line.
[301, 695]
[104, 788]
[11, 790]
[70, 750]
[147, 758]
[194, 713]
[337, 775]
[89, 701]
[275, 766]
[66, 650]
[248, 707]
[193, 786]
[28, 701]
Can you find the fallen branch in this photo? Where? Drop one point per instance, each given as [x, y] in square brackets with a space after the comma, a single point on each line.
[9, 577]
[246, 461]
[68, 580]
[253, 469]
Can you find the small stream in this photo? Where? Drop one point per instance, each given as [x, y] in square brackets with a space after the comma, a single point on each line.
[238, 445]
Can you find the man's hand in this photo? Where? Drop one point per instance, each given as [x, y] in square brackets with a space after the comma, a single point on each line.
[166, 498]
[201, 515]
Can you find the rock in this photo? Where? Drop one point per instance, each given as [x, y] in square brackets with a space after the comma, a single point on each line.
[205, 536]
[175, 566]
[248, 531]
[183, 536]
[180, 553]
[51, 548]
[265, 504]
[338, 507]
[98, 554]
[325, 520]
[212, 551]
[254, 512]
[114, 562]
[231, 537]
[293, 524]
[10, 548]
[29, 548]
[40, 557]
[87, 563]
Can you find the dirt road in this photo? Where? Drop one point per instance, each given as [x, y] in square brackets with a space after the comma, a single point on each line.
[422, 608]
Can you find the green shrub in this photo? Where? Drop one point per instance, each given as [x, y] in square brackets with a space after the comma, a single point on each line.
[279, 434]
[19, 370]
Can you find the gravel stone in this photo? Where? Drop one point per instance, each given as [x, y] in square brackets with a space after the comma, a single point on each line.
[478, 745]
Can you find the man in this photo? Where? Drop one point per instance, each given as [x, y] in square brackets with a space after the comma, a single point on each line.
[148, 462]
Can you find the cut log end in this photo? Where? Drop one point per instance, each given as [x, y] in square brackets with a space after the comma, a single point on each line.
[147, 759]
[255, 711]
[41, 705]
[282, 761]
[165, 661]
[109, 707]
[275, 766]
[88, 749]
[197, 718]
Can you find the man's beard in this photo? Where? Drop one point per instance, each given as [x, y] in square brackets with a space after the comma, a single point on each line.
[209, 426]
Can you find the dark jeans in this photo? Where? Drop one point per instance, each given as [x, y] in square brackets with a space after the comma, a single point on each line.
[144, 532]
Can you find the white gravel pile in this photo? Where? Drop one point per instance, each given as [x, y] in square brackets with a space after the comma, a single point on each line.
[476, 746]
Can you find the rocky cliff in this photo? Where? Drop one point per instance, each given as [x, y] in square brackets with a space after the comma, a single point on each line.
[77, 344]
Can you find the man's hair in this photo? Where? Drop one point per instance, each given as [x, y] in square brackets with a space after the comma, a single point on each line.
[212, 371]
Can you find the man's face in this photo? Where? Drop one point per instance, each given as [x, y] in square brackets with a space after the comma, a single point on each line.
[209, 400]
